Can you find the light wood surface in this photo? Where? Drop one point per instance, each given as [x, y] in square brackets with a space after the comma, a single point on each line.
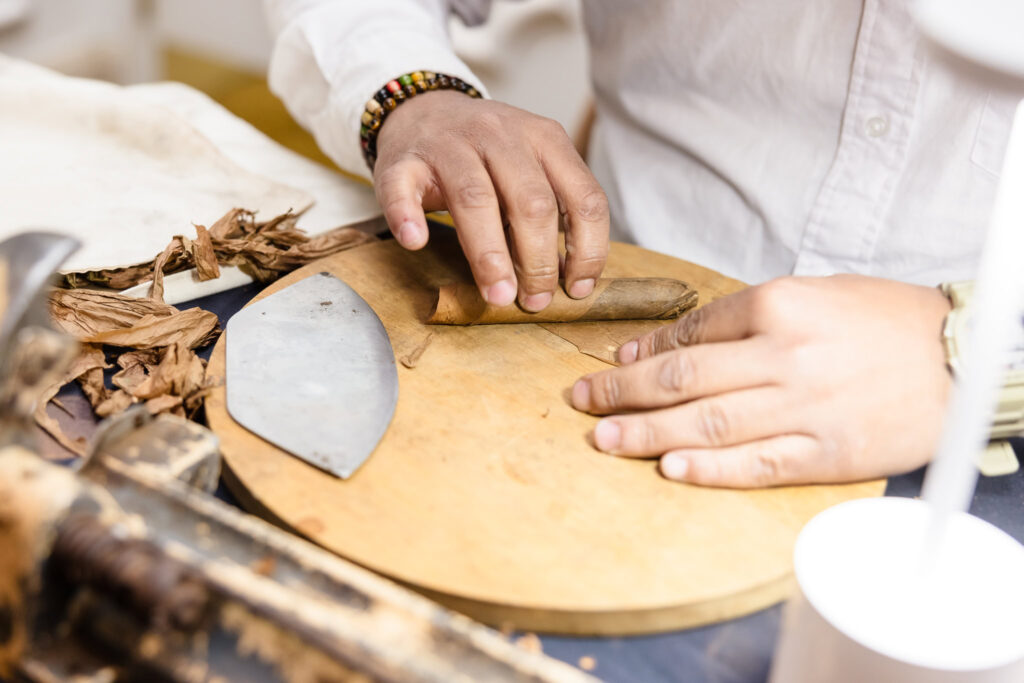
[484, 492]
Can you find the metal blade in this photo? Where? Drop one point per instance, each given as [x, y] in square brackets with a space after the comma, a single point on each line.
[310, 369]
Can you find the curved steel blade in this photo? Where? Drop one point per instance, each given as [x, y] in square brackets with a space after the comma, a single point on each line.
[310, 369]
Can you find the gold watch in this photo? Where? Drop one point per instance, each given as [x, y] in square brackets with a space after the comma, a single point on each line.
[1008, 421]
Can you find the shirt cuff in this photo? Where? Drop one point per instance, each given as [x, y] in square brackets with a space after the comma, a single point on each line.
[332, 58]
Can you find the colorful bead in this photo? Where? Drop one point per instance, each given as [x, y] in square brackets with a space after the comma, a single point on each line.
[394, 93]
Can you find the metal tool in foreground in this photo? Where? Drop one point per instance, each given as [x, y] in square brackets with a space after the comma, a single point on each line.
[311, 370]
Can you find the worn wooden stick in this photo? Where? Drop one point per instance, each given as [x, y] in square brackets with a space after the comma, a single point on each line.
[641, 298]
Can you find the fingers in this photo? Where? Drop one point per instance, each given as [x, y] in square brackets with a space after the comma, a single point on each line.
[471, 199]
[675, 377]
[586, 215]
[725, 319]
[777, 461]
[400, 188]
[532, 214]
[732, 418]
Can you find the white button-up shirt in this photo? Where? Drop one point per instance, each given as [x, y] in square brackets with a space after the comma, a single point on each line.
[756, 137]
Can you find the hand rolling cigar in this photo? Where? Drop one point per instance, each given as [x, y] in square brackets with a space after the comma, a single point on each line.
[641, 298]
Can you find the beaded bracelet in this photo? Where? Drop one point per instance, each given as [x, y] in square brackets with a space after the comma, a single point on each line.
[395, 93]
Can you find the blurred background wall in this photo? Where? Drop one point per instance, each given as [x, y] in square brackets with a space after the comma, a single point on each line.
[531, 53]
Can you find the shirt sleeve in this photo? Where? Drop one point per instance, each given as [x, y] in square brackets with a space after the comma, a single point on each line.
[331, 56]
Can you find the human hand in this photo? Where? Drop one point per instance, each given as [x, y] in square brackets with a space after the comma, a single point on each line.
[799, 380]
[484, 161]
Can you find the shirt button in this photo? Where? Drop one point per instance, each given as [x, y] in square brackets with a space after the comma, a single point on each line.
[877, 126]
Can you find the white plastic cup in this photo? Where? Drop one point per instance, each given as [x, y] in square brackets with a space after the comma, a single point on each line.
[870, 607]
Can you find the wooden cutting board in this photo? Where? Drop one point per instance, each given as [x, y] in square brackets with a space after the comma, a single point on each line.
[484, 493]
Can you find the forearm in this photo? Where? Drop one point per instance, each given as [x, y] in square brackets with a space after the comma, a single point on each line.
[330, 56]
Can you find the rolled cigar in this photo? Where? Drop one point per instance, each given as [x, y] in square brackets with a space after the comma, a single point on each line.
[634, 298]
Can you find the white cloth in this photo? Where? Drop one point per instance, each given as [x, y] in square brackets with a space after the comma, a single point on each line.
[757, 138]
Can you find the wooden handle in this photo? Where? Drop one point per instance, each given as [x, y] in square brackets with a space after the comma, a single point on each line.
[637, 298]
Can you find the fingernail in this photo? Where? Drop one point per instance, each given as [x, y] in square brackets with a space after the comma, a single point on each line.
[502, 293]
[674, 467]
[607, 435]
[628, 352]
[408, 234]
[582, 288]
[536, 302]
[581, 395]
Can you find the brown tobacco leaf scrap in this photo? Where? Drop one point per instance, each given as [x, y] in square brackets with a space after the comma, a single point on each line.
[96, 317]
[265, 250]
[410, 359]
[168, 380]
[90, 358]
[204, 255]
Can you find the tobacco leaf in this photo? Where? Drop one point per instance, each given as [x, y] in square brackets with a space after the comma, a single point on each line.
[90, 359]
[204, 256]
[117, 402]
[265, 250]
[96, 317]
[410, 359]
[82, 313]
[193, 328]
[601, 340]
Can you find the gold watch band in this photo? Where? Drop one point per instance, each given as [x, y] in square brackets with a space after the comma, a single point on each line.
[1009, 417]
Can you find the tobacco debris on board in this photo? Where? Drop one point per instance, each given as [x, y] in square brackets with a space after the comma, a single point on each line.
[410, 359]
[151, 343]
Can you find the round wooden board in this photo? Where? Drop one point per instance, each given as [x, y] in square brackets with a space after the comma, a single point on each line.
[485, 494]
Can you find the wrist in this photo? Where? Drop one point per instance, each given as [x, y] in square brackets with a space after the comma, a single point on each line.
[397, 92]
[404, 120]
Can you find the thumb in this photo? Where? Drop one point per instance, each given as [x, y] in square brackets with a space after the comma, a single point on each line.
[400, 188]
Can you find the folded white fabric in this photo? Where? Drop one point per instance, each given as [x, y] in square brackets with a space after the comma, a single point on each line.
[124, 169]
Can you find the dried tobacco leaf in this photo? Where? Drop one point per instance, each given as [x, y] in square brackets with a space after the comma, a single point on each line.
[82, 313]
[265, 250]
[204, 256]
[89, 360]
[193, 328]
[117, 402]
[97, 317]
